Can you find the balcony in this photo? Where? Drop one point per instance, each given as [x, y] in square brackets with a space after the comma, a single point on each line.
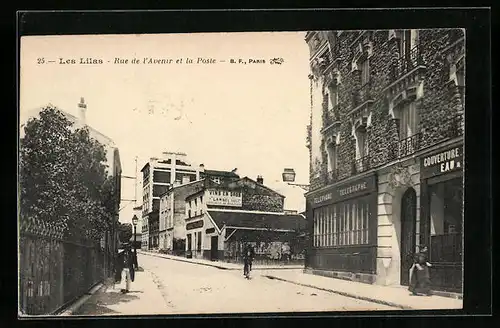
[330, 117]
[362, 95]
[361, 165]
[333, 175]
[405, 147]
[407, 63]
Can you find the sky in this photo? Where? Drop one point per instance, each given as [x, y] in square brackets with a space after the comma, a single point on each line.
[249, 116]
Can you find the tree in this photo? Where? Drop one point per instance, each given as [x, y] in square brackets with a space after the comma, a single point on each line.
[125, 232]
[63, 176]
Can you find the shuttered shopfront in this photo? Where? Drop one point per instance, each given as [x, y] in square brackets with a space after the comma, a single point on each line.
[343, 224]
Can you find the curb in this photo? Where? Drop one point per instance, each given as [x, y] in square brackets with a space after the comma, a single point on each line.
[363, 298]
[215, 265]
[82, 300]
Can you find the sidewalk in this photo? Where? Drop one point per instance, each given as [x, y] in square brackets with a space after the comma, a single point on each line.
[220, 264]
[395, 296]
[144, 298]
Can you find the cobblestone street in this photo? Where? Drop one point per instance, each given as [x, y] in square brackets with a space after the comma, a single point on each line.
[173, 287]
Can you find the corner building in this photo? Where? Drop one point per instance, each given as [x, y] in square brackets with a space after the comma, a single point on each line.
[386, 154]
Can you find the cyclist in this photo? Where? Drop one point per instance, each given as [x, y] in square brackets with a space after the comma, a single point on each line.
[247, 260]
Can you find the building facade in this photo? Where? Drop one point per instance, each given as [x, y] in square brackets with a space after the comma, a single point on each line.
[386, 154]
[221, 217]
[159, 174]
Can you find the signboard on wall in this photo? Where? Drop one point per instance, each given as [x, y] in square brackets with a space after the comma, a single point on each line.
[194, 225]
[441, 162]
[344, 191]
[224, 198]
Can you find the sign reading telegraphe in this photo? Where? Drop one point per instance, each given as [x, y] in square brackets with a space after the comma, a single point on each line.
[445, 161]
[222, 199]
[345, 190]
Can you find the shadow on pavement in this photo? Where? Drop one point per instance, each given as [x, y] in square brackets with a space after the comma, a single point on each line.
[100, 303]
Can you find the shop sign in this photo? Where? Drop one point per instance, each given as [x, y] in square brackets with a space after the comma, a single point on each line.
[194, 225]
[224, 198]
[344, 191]
[442, 162]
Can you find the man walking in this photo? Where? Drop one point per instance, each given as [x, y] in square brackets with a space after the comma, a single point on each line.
[126, 264]
[247, 260]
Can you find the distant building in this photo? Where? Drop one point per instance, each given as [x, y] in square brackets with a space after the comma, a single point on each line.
[221, 217]
[173, 208]
[159, 174]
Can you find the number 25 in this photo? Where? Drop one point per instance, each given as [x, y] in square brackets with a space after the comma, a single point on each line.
[41, 61]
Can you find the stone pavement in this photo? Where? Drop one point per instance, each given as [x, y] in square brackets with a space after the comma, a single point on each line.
[220, 264]
[395, 296]
[144, 298]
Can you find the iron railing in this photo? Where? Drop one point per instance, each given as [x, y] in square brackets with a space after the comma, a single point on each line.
[407, 62]
[53, 273]
[331, 116]
[362, 94]
[405, 147]
[361, 165]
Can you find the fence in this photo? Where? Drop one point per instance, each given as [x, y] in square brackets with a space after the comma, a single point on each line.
[54, 272]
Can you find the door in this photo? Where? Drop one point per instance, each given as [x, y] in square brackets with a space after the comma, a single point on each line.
[214, 248]
[408, 222]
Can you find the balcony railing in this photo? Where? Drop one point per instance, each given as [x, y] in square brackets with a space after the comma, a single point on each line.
[331, 116]
[361, 95]
[406, 63]
[405, 147]
[361, 165]
[333, 175]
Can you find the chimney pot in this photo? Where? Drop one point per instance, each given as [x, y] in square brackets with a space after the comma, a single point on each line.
[260, 180]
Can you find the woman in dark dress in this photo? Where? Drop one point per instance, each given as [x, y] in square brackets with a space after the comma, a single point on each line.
[419, 274]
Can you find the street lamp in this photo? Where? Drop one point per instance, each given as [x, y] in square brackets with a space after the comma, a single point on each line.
[135, 220]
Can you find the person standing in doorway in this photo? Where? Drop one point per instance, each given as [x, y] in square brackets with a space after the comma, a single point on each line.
[420, 274]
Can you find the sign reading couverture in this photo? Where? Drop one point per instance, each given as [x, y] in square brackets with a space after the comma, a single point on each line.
[441, 162]
[344, 191]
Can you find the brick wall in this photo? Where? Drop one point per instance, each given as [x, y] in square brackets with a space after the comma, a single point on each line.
[441, 101]
[261, 199]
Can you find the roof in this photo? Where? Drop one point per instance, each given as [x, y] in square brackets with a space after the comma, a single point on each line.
[257, 220]
[229, 174]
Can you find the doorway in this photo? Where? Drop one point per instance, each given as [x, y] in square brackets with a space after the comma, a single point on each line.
[408, 240]
[214, 248]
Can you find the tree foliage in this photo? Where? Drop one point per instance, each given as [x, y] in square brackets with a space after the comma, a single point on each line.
[125, 232]
[63, 176]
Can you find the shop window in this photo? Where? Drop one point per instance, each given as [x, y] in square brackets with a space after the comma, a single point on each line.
[446, 221]
[341, 224]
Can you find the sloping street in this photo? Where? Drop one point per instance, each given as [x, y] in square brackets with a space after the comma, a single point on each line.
[195, 289]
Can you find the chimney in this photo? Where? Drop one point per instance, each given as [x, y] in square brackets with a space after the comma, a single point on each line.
[82, 110]
[202, 168]
[288, 175]
[260, 179]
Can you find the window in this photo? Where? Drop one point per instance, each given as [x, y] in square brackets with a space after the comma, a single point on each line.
[407, 39]
[216, 180]
[341, 224]
[446, 205]
[361, 143]
[408, 118]
[198, 239]
[333, 96]
[365, 72]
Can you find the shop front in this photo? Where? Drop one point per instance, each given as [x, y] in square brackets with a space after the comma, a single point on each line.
[441, 222]
[343, 224]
